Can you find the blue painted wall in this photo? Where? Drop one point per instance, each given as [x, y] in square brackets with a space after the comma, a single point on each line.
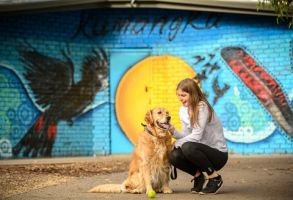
[198, 38]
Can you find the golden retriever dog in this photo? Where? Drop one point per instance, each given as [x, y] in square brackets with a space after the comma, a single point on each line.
[149, 167]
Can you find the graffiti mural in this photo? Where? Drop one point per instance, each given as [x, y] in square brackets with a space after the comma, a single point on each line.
[16, 113]
[266, 89]
[53, 85]
[5, 148]
[236, 128]
[54, 75]
[91, 27]
[144, 86]
[208, 66]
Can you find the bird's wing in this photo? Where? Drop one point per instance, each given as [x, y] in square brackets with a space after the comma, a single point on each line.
[49, 78]
[98, 62]
[216, 86]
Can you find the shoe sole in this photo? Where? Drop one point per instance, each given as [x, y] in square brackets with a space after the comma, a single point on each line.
[204, 185]
[202, 193]
[194, 192]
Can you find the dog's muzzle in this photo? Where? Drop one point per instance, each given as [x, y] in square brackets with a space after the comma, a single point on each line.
[164, 125]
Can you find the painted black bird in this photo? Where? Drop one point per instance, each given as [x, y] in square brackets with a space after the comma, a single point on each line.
[198, 59]
[219, 91]
[52, 82]
[201, 76]
[214, 67]
[211, 56]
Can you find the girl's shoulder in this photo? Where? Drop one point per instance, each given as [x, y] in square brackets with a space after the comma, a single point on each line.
[183, 109]
[183, 114]
[202, 104]
[203, 107]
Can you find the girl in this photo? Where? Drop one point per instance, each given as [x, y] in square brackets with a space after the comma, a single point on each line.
[201, 147]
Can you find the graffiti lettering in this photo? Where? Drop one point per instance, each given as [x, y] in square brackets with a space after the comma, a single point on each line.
[211, 21]
[100, 29]
[91, 26]
[174, 26]
[162, 20]
[84, 19]
[134, 29]
[120, 24]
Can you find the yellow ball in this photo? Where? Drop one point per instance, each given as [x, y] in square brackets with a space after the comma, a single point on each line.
[152, 194]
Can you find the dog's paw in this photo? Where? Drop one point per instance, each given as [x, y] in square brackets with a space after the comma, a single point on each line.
[167, 191]
[136, 191]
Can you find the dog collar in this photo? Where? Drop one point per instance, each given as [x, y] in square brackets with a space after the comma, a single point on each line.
[147, 130]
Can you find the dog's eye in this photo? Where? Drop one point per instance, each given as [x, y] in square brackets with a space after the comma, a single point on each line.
[160, 112]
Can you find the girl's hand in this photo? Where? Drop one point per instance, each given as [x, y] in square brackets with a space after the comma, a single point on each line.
[171, 129]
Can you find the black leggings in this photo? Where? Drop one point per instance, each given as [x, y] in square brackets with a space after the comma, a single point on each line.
[194, 156]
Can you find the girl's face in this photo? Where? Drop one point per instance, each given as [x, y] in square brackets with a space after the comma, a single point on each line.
[183, 97]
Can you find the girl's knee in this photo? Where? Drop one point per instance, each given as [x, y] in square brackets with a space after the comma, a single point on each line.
[186, 147]
[175, 157]
[190, 147]
[191, 150]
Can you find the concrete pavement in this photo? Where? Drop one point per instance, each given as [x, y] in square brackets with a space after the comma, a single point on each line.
[245, 177]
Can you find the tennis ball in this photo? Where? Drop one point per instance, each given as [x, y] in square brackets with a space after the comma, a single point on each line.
[152, 194]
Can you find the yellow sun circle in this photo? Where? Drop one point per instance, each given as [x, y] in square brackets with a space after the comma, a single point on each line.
[150, 83]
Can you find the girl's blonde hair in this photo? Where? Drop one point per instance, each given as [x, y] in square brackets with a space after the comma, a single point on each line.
[196, 96]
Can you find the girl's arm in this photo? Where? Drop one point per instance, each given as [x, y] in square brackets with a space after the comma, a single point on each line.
[184, 133]
[197, 130]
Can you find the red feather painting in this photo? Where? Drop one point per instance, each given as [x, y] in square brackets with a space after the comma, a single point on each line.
[264, 87]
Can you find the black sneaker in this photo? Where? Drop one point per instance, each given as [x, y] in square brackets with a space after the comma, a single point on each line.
[213, 186]
[198, 183]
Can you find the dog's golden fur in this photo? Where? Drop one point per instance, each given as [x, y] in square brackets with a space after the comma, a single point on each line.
[149, 168]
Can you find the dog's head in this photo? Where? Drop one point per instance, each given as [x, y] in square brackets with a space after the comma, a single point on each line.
[158, 119]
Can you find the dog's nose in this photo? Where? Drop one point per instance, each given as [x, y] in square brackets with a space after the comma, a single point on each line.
[168, 118]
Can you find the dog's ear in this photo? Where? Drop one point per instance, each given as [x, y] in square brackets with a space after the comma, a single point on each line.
[149, 118]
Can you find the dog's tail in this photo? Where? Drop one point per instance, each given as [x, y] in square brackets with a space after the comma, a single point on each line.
[107, 188]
